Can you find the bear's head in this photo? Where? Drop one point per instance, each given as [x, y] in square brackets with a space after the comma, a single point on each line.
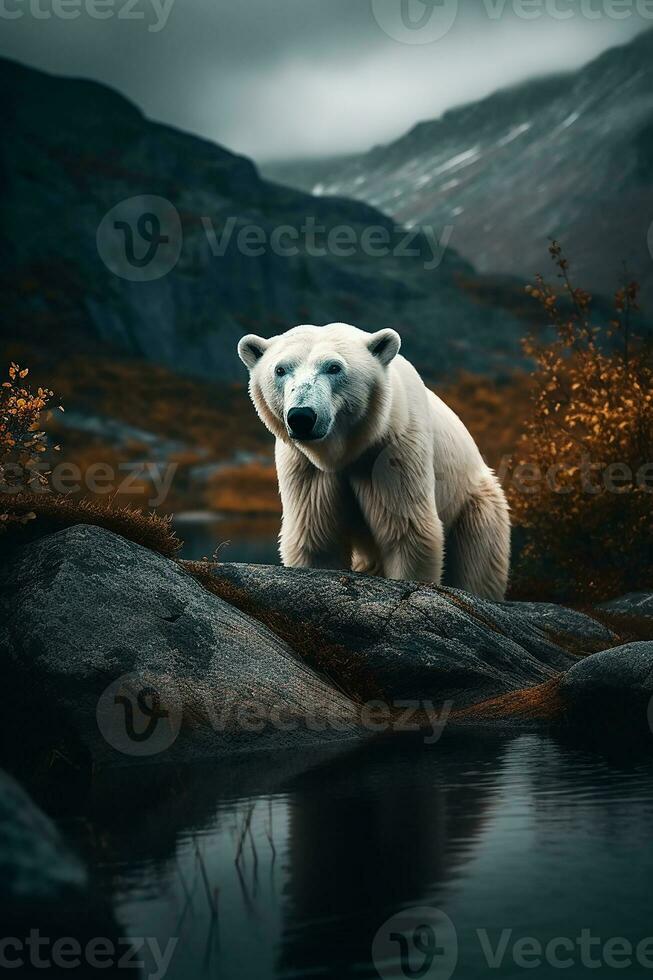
[321, 387]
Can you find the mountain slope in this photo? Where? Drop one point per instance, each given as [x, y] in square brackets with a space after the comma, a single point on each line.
[73, 150]
[569, 157]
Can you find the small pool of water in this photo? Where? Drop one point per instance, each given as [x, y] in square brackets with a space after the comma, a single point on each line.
[244, 539]
[393, 860]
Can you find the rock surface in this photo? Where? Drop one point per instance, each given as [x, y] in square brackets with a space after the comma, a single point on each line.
[113, 653]
[36, 866]
[403, 640]
[50, 906]
[618, 681]
[633, 604]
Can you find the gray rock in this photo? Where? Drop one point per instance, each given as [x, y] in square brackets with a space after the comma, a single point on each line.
[401, 640]
[615, 681]
[633, 604]
[36, 867]
[572, 628]
[47, 897]
[115, 654]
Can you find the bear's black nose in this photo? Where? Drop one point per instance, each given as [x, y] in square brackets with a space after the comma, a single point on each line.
[301, 422]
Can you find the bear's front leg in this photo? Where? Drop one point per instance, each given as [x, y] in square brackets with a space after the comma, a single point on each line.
[407, 532]
[417, 553]
[314, 532]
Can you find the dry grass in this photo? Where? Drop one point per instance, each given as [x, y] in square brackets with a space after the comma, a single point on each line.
[540, 703]
[53, 513]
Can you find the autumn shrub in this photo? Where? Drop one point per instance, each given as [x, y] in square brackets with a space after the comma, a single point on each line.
[582, 487]
[21, 442]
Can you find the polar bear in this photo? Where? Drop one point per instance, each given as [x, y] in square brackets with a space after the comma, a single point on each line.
[375, 472]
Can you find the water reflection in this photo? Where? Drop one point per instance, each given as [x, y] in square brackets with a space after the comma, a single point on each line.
[269, 872]
[247, 539]
[382, 835]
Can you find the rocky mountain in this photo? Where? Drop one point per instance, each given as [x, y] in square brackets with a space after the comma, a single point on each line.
[569, 157]
[125, 235]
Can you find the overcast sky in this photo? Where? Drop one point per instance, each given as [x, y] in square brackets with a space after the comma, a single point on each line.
[280, 79]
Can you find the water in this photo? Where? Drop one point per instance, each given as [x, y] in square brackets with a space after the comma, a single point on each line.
[264, 872]
[248, 539]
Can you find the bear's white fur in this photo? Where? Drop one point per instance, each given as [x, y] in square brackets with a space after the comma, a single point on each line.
[389, 479]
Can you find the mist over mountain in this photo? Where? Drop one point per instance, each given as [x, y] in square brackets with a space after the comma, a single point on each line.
[567, 157]
[73, 150]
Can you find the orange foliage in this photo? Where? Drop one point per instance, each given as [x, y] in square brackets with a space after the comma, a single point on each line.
[588, 443]
[251, 488]
[21, 439]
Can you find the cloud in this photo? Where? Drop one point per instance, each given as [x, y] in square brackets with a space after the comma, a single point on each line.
[292, 78]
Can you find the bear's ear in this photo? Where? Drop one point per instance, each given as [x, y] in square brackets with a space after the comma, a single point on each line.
[384, 345]
[250, 349]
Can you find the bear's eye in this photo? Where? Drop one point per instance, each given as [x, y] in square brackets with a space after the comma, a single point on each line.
[334, 369]
[279, 371]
